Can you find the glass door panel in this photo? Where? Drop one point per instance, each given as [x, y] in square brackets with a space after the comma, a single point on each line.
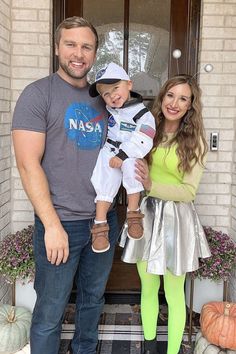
[134, 36]
[149, 36]
[107, 16]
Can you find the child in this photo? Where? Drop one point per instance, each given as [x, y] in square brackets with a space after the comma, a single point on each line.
[131, 129]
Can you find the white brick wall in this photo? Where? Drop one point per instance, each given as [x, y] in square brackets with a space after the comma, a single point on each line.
[31, 53]
[216, 201]
[5, 121]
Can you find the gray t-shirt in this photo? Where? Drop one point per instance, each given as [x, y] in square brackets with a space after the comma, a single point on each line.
[75, 126]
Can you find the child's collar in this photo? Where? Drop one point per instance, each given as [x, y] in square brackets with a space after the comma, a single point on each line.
[134, 99]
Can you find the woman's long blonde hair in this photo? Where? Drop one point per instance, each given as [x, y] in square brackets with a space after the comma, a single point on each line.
[190, 136]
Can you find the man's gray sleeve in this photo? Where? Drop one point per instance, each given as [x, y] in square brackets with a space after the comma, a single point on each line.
[30, 110]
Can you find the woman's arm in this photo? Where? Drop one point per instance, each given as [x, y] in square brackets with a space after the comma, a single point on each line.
[184, 192]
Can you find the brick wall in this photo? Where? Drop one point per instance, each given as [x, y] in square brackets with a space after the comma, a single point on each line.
[5, 140]
[216, 197]
[31, 53]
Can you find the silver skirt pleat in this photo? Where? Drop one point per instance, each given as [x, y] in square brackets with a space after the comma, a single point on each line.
[174, 238]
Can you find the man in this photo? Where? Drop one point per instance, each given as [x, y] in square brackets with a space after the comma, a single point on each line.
[58, 130]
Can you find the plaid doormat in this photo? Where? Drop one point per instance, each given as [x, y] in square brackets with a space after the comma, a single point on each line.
[120, 331]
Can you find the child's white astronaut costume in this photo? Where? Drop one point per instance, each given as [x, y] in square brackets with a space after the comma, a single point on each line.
[131, 130]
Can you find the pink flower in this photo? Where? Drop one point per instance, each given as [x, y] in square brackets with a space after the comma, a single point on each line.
[16, 256]
[223, 257]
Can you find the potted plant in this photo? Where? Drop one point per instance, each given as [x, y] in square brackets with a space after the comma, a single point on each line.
[213, 270]
[17, 265]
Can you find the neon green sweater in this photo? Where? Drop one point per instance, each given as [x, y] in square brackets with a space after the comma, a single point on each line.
[168, 183]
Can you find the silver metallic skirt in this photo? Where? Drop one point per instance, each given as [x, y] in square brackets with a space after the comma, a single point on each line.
[173, 238]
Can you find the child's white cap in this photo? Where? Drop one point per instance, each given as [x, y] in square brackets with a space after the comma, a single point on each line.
[111, 74]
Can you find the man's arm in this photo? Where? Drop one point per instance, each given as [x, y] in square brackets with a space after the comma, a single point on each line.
[29, 148]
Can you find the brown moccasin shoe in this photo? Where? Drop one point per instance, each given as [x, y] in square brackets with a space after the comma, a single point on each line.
[135, 224]
[100, 241]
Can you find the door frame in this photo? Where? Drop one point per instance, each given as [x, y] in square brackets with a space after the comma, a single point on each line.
[184, 35]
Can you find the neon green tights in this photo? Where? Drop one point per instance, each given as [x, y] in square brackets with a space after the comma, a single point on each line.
[174, 294]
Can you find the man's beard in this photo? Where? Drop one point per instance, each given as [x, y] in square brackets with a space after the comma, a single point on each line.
[70, 72]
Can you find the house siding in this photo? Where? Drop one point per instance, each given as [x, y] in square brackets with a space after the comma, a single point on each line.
[216, 200]
[31, 59]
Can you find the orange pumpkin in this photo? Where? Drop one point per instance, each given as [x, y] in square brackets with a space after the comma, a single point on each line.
[218, 324]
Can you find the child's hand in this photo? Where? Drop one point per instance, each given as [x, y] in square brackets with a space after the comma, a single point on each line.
[115, 162]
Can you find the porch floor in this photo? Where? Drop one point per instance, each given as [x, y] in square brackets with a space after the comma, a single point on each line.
[120, 330]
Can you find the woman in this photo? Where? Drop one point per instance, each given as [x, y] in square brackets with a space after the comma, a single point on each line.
[173, 236]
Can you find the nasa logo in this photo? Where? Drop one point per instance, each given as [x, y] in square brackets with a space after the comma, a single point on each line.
[84, 126]
[100, 73]
[111, 121]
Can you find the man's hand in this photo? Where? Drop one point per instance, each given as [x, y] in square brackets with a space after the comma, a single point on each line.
[56, 243]
[115, 162]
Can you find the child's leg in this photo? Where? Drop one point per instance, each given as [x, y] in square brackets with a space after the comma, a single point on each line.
[133, 201]
[129, 181]
[174, 293]
[133, 188]
[100, 229]
[134, 217]
[150, 284]
[106, 182]
[102, 208]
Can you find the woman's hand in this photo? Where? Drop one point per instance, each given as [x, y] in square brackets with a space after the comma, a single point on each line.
[142, 174]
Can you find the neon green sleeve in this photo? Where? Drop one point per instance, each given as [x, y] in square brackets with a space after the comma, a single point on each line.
[184, 192]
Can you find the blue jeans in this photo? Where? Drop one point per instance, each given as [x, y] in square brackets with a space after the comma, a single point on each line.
[53, 285]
